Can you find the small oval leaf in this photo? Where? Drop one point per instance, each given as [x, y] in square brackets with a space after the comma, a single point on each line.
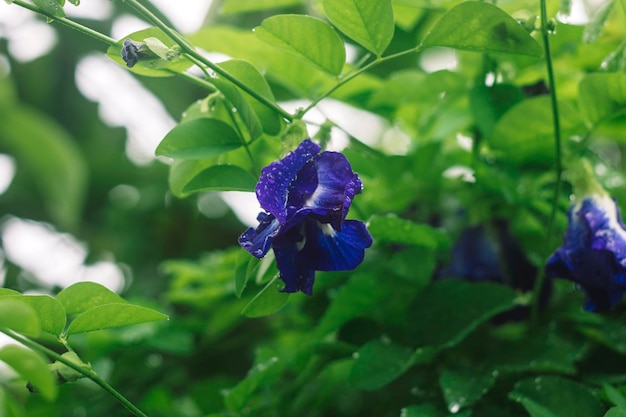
[83, 296]
[307, 38]
[221, 178]
[482, 27]
[113, 315]
[268, 301]
[32, 367]
[51, 6]
[19, 316]
[370, 23]
[50, 312]
[198, 139]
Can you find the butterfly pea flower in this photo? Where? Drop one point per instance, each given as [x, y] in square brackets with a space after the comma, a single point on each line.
[593, 254]
[132, 52]
[306, 197]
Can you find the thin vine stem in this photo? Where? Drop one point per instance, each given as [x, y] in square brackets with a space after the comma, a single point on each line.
[558, 164]
[87, 372]
[348, 77]
[67, 22]
[190, 50]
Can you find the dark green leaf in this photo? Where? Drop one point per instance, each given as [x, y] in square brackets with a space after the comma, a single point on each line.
[393, 229]
[83, 296]
[488, 104]
[525, 133]
[370, 23]
[602, 96]
[50, 6]
[377, 363]
[19, 316]
[32, 367]
[247, 6]
[153, 66]
[462, 388]
[450, 309]
[52, 159]
[199, 138]
[269, 120]
[422, 410]
[112, 315]
[482, 27]
[246, 268]
[221, 178]
[307, 38]
[264, 370]
[553, 396]
[268, 301]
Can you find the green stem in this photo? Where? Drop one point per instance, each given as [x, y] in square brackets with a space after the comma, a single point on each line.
[87, 372]
[190, 50]
[353, 74]
[67, 22]
[558, 165]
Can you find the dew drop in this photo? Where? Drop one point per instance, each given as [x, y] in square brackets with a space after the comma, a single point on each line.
[454, 408]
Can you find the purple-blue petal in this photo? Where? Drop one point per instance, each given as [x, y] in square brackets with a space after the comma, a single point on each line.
[273, 187]
[297, 275]
[258, 241]
[327, 249]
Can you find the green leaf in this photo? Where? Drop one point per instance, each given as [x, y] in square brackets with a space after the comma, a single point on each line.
[50, 6]
[266, 367]
[153, 66]
[370, 23]
[488, 104]
[451, 309]
[51, 158]
[7, 292]
[307, 38]
[482, 27]
[268, 301]
[377, 363]
[19, 316]
[602, 96]
[593, 29]
[553, 396]
[113, 315]
[83, 296]
[270, 121]
[462, 388]
[199, 138]
[221, 178]
[393, 229]
[247, 6]
[32, 367]
[246, 268]
[422, 410]
[615, 396]
[525, 133]
[50, 312]
[616, 412]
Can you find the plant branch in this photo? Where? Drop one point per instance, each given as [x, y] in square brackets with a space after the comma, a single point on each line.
[87, 372]
[348, 77]
[558, 164]
[67, 22]
[190, 50]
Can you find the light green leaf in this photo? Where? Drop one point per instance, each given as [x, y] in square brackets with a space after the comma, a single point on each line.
[553, 396]
[525, 133]
[247, 6]
[394, 229]
[616, 412]
[422, 410]
[113, 315]
[451, 309]
[268, 301]
[251, 77]
[602, 96]
[221, 178]
[7, 292]
[378, 363]
[32, 367]
[593, 29]
[50, 312]
[482, 27]
[19, 316]
[153, 66]
[307, 38]
[51, 158]
[615, 396]
[370, 23]
[83, 296]
[199, 138]
[50, 6]
[183, 171]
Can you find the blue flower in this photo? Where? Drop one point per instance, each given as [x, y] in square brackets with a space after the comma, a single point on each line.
[306, 196]
[132, 52]
[593, 254]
